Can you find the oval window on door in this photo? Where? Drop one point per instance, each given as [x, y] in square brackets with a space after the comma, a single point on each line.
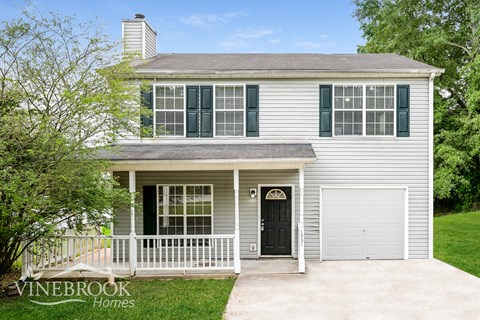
[276, 194]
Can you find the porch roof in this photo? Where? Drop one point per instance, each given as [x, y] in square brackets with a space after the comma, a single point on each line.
[208, 156]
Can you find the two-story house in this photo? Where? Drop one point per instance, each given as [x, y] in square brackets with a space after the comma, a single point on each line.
[307, 156]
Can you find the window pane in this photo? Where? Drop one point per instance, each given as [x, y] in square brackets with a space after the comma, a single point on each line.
[380, 123]
[338, 103]
[230, 122]
[229, 92]
[389, 103]
[220, 91]
[160, 103]
[160, 92]
[380, 103]
[238, 92]
[169, 91]
[219, 103]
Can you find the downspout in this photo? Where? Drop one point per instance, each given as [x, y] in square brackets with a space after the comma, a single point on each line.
[430, 165]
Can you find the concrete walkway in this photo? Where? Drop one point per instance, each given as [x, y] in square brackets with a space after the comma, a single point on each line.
[410, 289]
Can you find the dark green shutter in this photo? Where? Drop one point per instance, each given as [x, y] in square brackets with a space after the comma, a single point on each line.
[206, 110]
[149, 211]
[147, 102]
[252, 111]
[192, 112]
[403, 110]
[325, 117]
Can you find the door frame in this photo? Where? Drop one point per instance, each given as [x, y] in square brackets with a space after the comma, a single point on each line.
[405, 214]
[259, 214]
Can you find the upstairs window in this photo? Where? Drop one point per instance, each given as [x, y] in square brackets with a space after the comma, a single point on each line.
[169, 110]
[364, 110]
[380, 103]
[229, 110]
[348, 105]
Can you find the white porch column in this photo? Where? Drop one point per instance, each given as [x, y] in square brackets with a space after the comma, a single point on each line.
[133, 241]
[236, 241]
[301, 232]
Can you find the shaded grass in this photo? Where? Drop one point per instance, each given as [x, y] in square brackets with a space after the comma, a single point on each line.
[152, 299]
[457, 241]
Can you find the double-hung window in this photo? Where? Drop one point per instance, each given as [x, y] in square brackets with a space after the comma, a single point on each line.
[229, 110]
[185, 209]
[380, 104]
[364, 110]
[169, 110]
[348, 105]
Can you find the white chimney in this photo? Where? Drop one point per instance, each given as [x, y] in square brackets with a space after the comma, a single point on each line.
[139, 37]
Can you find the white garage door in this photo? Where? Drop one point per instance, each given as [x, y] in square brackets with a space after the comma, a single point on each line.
[363, 223]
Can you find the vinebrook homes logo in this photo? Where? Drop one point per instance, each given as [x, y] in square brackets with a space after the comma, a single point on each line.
[105, 294]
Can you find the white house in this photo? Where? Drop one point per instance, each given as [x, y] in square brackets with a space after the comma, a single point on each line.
[307, 156]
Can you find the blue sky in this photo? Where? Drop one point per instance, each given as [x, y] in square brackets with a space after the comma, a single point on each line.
[320, 26]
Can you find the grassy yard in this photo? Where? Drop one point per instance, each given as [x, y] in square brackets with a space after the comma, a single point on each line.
[153, 299]
[457, 241]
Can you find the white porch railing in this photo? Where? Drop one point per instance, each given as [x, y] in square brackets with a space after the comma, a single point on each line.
[66, 252]
[160, 253]
[207, 252]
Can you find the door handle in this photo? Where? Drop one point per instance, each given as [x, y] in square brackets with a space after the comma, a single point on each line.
[262, 225]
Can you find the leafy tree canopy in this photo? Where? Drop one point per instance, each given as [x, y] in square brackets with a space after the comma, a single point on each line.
[62, 93]
[445, 34]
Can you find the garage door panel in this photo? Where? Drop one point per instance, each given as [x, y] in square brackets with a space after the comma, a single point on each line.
[363, 223]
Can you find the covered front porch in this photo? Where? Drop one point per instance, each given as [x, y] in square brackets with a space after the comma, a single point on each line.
[206, 215]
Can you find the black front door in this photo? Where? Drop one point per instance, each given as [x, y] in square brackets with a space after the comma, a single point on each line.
[276, 220]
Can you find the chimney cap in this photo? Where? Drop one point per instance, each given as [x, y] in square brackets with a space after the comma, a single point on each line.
[139, 16]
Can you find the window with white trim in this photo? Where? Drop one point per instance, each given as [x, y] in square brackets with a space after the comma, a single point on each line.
[364, 110]
[229, 110]
[185, 209]
[169, 110]
[380, 104]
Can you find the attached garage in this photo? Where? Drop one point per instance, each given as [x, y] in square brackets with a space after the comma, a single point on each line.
[359, 223]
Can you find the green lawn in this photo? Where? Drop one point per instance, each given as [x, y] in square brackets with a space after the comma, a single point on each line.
[153, 299]
[457, 241]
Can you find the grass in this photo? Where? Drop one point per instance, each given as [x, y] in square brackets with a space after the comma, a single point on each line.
[153, 299]
[457, 241]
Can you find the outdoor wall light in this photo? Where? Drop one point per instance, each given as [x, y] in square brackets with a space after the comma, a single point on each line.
[253, 192]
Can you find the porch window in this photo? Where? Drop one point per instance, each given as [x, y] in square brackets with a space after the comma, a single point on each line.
[229, 110]
[169, 111]
[185, 209]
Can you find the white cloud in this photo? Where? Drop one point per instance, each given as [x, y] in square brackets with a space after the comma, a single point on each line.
[207, 20]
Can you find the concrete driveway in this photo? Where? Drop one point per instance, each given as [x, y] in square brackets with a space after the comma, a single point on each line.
[409, 289]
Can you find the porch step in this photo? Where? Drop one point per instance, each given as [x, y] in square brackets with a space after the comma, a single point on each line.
[270, 266]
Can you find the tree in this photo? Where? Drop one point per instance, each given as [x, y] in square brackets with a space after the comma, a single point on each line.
[446, 34]
[62, 95]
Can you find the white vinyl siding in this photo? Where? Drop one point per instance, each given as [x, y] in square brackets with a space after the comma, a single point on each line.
[132, 37]
[289, 113]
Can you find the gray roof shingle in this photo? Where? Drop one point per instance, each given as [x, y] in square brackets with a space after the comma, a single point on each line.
[248, 62]
[208, 152]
